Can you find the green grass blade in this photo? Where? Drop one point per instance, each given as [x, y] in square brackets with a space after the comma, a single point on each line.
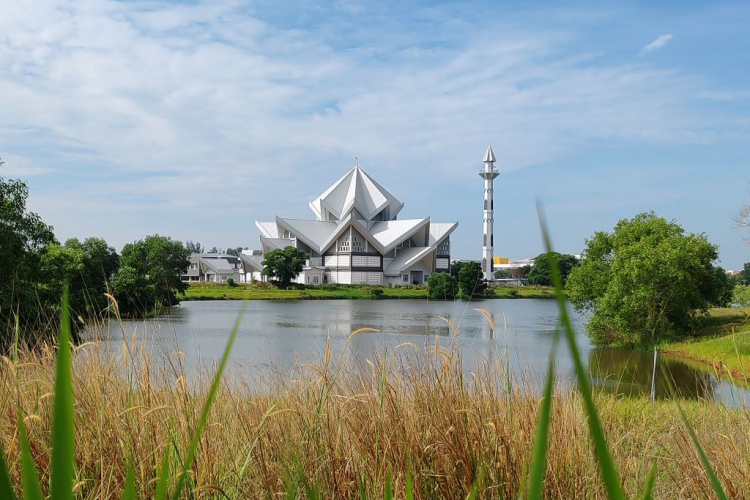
[63, 431]
[129, 491]
[388, 492]
[649, 486]
[207, 407]
[409, 493]
[29, 476]
[6, 488]
[607, 468]
[163, 480]
[539, 456]
[715, 483]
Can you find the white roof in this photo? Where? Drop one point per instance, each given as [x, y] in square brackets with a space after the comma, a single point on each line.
[389, 233]
[439, 230]
[405, 258]
[357, 190]
[313, 232]
[267, 229]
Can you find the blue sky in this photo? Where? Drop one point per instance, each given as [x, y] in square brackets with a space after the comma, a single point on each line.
[193, 119]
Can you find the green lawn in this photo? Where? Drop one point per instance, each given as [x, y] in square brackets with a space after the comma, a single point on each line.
[355, 292]
[715, 342]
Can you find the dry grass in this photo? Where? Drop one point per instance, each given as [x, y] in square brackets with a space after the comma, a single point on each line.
[340, 429]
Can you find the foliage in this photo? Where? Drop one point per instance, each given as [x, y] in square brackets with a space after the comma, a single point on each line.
[645, 281]
[236, 251]
[231, 283]
[23, 237]
[284, 264]
[743, 278]
[86, 268]
[741, 295]
[456, 266]
[540, 273]
[149, 277]
[503, 274]
[375, 292]
[194, 247]
[441, 286]
[471, 280]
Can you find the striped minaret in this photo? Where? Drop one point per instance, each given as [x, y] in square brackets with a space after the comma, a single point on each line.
[488, 174]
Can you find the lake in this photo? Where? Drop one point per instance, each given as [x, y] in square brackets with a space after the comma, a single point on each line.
[277, 335]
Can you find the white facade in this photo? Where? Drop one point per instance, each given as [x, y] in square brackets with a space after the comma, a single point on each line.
[488, 238]
[357, 238]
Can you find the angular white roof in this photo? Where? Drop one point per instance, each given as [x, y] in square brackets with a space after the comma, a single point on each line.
[268, 229]
[357, 190]
[406, 258]
[390, 233]
[313, 232]
[439, 230]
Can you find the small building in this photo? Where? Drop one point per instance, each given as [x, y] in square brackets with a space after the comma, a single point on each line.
[214, 267]
[356, 237]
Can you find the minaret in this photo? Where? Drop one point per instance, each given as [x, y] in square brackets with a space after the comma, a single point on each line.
[488, 174]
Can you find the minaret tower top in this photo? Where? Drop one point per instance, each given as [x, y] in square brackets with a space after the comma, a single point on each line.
[488, 243]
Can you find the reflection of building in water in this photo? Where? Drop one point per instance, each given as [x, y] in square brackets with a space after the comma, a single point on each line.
[356, 237]
[626, 372]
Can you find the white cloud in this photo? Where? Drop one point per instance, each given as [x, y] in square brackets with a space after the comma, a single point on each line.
[160, 114]
[657, 44]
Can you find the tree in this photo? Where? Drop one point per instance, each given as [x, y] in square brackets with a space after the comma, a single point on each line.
[284, 264]
[741, 295]
[743, 278]
[23, 238]
[471, 280]
[540, 273]
[194, 247]
[503, 274]
[87, 268]
[742, 219]
[236, 251]
[456, 266]
[441, 286]
[149, 277]
[214, 250]
[646, 280]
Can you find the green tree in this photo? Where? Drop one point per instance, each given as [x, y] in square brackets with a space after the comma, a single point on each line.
[741, 295]
[87, 268]
[743, 278]
[646, 280]
[236, 251]
[471, 280]
[149, 276]
[540, 273]
[456, 266]
[441, 286]
[284, 264]
[23, 238]
[194, 247]
[503, 274]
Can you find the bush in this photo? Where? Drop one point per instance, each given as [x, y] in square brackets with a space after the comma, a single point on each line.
[231, 283]
[375, 292]
[441, 286]
[741, 295]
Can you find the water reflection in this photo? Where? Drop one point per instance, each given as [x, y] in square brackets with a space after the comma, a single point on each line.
[629, 373]
[276, 336]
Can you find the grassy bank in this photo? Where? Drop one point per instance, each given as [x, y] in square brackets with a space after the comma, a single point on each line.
[723, 342]
[340, 431]
[209, 291]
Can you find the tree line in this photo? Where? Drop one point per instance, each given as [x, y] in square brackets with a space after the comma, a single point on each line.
[35, 267]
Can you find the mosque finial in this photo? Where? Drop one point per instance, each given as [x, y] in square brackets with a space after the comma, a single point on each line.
[356, 160]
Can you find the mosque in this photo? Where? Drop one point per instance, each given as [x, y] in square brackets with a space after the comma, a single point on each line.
[356, 237]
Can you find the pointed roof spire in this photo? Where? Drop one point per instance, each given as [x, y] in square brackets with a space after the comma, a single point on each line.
[489, 156]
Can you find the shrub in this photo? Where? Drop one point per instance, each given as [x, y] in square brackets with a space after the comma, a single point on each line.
[441, 286]
[231, 283]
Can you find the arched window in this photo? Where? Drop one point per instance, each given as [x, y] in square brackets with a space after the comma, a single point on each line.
[485, 204]
[484, 264]
[492, 204]
[492, 240]
[485, 239]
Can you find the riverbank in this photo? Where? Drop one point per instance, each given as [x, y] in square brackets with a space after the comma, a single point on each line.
[211, 291]
[328, 429]
[722, 342]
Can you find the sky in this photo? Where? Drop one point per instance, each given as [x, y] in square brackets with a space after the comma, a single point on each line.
[193, 119]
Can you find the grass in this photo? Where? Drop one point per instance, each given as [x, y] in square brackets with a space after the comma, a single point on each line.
[334, 428]
[347, 292]
[723, 342]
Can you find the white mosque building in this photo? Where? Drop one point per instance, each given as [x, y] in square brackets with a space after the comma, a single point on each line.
[357, 238]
